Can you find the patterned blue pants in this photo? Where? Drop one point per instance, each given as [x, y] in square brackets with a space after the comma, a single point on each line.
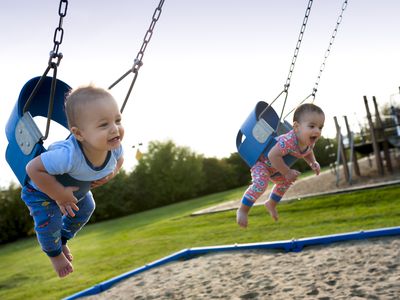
[52, 228]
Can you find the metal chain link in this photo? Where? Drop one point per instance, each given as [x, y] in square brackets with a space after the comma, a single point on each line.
[58, 34]
[298, 44]
[147, 37]
[54, 62]
[328, 50]
[292, 65]
[139, 57]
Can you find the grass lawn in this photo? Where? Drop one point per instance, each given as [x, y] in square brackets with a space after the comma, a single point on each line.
[105, 250]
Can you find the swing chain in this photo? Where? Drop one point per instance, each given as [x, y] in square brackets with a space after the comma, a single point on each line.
[57, 39]
[328, 50]
[322, 67]
[147, 37]
[58, 35]
[294, 58]
[297, 49]
[138, 60]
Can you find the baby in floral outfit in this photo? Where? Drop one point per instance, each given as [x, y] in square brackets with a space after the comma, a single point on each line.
[308, 121]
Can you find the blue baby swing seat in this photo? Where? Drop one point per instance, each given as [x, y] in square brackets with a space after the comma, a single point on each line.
[258, 134]
[44, 96]
[23, 135]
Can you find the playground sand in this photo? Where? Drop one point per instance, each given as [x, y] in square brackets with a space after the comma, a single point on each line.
[364, 269]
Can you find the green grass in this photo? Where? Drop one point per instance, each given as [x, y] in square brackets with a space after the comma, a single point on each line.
[108, 249]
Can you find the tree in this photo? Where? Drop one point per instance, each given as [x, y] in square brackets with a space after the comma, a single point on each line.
[112, 199]
[15, 221]
[322, 152]
[166, 174]
[242, 170]
[219, 176]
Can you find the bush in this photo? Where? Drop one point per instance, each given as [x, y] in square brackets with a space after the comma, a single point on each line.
[166, 174]
[322, 151]
[112, 199]
[218, 176]
[15, 221]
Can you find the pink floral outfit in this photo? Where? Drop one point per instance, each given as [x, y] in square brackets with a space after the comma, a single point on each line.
[263, 171]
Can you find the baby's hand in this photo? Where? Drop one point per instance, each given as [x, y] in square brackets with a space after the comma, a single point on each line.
[292, 175]
[316, 167]
[102, 181]
[67, 201]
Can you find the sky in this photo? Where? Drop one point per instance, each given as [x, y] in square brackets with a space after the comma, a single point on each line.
[207, 65]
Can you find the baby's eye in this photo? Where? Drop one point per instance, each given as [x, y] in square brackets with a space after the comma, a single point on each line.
[103, 125]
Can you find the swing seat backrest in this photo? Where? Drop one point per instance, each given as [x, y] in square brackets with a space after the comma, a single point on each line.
[258, 134]
[23, 135]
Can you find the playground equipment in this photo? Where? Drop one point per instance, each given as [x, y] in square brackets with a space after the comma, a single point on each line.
[379, 143]
[378, 136]
[341, 158]
[44, 96]
[395, 114]
[258, 133]
[295, 245]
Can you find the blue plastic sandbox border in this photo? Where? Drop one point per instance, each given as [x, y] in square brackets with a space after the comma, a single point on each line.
[286, 245]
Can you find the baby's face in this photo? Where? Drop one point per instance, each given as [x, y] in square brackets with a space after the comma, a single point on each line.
[100, 125]
[309, 129]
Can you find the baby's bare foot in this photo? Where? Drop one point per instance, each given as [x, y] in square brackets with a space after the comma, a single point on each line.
[61, 265]
[67, 252]
[271, 207]
[241, 218]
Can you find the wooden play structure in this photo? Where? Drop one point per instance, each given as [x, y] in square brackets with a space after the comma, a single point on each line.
[380, 141]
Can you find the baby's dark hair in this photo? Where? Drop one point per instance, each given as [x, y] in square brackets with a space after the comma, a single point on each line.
[304, 109]
[80, 96]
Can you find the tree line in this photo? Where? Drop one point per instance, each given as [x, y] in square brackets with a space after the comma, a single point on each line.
[165, 174]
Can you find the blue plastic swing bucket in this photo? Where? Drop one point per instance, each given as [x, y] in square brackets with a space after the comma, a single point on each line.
[16, 157]
[257, 134]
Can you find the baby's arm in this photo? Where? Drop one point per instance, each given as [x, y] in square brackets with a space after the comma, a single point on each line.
[110, 176]
[49, 185]
[312, 162]
[120, 162]
[276, 157]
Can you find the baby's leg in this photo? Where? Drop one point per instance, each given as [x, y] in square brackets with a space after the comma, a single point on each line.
[271, 207]
[259, 175]
[48, 223]
[71, 225]
[278, 190]
[243, 212]
[67, 252]
[61, 265]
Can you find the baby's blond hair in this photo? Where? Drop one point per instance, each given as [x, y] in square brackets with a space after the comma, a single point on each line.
[77, 98]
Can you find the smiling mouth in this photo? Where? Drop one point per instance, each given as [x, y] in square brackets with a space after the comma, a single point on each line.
[116, 139]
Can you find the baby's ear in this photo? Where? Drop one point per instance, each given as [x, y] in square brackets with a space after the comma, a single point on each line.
[77, 133]
[295, 125]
